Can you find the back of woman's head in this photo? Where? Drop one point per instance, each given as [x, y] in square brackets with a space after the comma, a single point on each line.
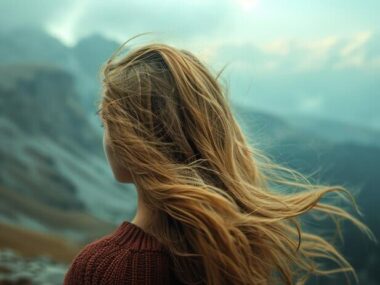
[217, 201]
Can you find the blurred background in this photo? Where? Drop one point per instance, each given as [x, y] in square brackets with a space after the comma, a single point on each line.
[303, 80]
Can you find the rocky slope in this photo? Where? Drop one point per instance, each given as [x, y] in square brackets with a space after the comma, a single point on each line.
[49, 152]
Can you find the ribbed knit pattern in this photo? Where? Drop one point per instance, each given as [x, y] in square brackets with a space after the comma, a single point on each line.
[127, 256]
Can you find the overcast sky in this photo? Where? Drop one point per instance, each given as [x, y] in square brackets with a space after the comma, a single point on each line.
[284, 56]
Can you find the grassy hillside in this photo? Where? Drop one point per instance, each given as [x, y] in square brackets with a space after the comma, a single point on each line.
[73, 225]
[29, 243]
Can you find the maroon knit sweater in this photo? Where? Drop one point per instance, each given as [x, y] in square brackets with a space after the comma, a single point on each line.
[128, 256]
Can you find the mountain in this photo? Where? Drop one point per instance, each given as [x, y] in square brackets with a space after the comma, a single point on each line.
[353, 164]
[90, 53]
[55, 180]
[336, 131]
[50, 153]
[34, 46]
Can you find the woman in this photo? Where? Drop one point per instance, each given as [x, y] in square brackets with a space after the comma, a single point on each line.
[210, 208]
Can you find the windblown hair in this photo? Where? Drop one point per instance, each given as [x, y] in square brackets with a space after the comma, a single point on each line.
[226, 211]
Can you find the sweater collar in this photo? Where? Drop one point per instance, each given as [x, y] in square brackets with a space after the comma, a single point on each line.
[131, 235]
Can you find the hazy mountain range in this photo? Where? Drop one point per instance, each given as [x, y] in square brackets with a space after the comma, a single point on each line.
[54, 178]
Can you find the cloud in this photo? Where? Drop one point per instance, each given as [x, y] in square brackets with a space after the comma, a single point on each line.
[356, 43]
[285, 50]
[309, 104]
[307, 75]
[277, 47]
[122, 19]
[21, 13]
[354, 52]
[361, 50]
[70, 20]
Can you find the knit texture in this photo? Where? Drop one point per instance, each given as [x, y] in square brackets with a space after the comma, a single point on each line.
[128, 256]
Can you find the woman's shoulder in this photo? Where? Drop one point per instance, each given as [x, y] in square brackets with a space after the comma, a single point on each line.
[122, 257]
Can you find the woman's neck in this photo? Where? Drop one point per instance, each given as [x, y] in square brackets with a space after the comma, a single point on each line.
[143, 215]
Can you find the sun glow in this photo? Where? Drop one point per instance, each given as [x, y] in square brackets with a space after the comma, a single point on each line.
[248, 5]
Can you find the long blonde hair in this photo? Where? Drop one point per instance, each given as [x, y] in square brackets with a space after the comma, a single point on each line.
[225, 211]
